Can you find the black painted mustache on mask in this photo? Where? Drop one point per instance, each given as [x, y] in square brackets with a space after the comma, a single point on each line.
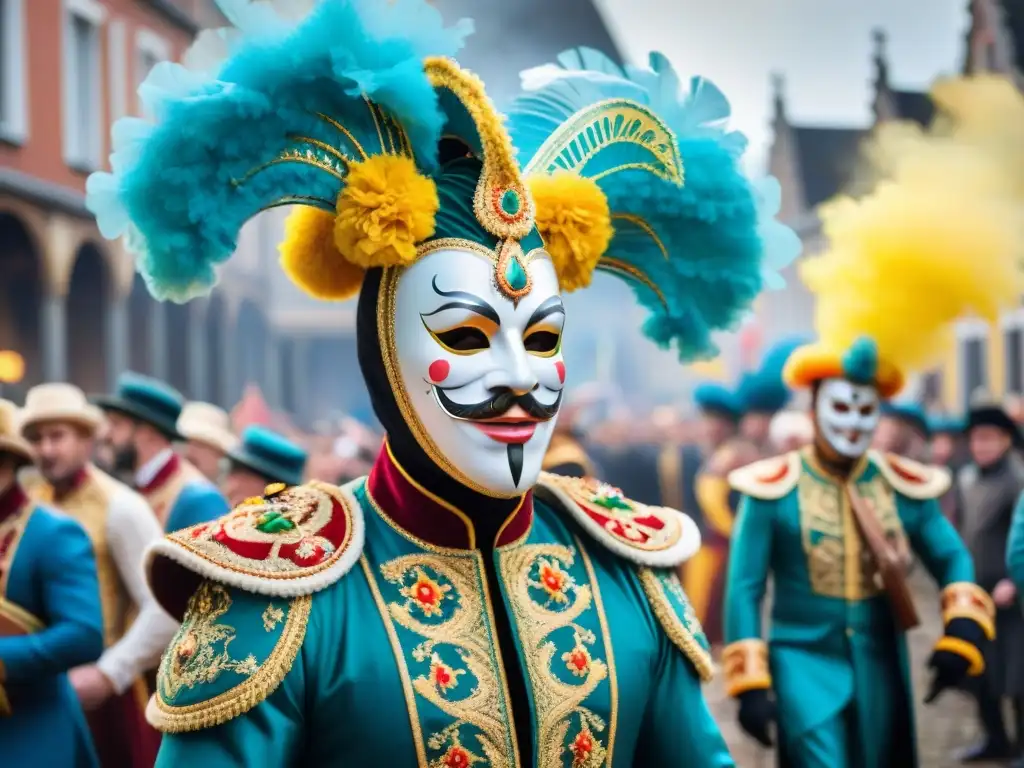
[499, 405]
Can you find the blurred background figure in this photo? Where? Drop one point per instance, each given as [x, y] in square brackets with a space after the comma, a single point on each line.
[948, 448]
[989, 488]
[206, 430]
[142, 425]
[263, 459]
[790, 431]
[903, 430]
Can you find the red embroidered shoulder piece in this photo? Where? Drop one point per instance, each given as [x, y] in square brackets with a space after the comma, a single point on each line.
[768, 479]
[911, 478]
[653, 536]
[293, 543]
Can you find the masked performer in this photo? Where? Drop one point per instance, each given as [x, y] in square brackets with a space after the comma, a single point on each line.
[835, 524]
[60, 424]
[50, 620]
[450, 609]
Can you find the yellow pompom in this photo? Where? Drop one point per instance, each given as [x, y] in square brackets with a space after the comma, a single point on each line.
[574, 220]
[311, 259]
[386, 208]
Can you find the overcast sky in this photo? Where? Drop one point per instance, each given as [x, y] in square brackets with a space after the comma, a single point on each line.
[822, 47]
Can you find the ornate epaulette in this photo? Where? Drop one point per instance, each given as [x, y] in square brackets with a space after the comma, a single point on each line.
[675, 614]
[911, 478]
[657, 537]
[290, 543]
[768, 479]
[231, 652]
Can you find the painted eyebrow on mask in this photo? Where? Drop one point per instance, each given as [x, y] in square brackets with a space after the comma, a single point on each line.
[552, 306]
[465, 301]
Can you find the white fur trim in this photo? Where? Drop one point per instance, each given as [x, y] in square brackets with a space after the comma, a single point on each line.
[271, 587]
[751, 479]
[678, 552]
[934, 481]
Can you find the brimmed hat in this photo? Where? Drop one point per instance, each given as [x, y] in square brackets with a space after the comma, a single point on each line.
[942, 424]
[986, 411]
[715, 400]
[59, 402]
[207, 424]
[911, 414]
[11, 441]
[146, 399]
[270, 455]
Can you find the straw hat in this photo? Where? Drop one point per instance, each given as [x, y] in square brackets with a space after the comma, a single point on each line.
[11, 440]
[59, 402]
[207, 424]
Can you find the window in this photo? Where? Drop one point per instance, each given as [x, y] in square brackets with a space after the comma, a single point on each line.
[83, 91]
[1013, 352]
[13, 103]
[150, 50]
[931, 389]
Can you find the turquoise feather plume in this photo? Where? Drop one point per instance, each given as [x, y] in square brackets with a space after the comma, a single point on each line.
[695, 238]
[264, 128]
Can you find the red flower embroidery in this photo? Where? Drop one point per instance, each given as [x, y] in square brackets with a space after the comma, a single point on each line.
[581, 747]
[577, 660]
[444, 676]
[426, 594]
[456, 757]
[554, 580]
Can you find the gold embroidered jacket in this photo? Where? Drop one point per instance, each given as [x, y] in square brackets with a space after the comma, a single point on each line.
[331, 626]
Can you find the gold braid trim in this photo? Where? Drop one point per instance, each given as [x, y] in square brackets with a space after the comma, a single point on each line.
[962, 599]
[746, 667]
[5, 703]
[247, 694]
[681, 636]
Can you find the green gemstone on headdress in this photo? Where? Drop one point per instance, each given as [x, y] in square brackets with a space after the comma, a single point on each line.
[274, 522]
[515, 275]
[510, 202]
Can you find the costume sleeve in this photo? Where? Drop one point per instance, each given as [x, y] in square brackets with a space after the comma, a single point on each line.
[131, 528]
[231, 688]
[678, 727]
[71, 598]
[937, 544]
[1015, 546]
[713, 497]
[199, 503]
[747, 574]
[268, 736]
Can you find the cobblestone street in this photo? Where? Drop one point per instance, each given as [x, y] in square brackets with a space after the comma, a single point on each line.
[942, 727]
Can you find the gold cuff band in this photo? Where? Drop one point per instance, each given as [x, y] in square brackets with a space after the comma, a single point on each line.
[745, 664]
[964, 649]
[964, 600]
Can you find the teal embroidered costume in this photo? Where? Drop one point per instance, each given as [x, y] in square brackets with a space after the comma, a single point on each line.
[50, 622]
[837, 525]
[457, 607]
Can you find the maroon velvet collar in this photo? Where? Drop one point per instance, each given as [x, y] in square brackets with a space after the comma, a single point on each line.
[430, 518]
[11, 501]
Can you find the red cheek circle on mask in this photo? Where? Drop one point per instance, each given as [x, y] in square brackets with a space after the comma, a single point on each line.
[439, 370]
[560, 369]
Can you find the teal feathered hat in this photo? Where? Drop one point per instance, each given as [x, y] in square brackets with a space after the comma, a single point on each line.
[694, 237]
[944, 424]
[357, 116]
[145, 399]
[764, 390]
[911, 414]
[716, 400]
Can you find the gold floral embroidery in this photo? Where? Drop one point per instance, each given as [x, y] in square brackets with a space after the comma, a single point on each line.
[455, 755]
[425, 594]
[272, 616]
[556, 700]
[553, 580]
[456, 618]
[199, 652]
[839, 562]
[679, 621]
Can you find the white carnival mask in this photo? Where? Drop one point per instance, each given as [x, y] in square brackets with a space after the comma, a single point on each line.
[481, 365]
[847, 416]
